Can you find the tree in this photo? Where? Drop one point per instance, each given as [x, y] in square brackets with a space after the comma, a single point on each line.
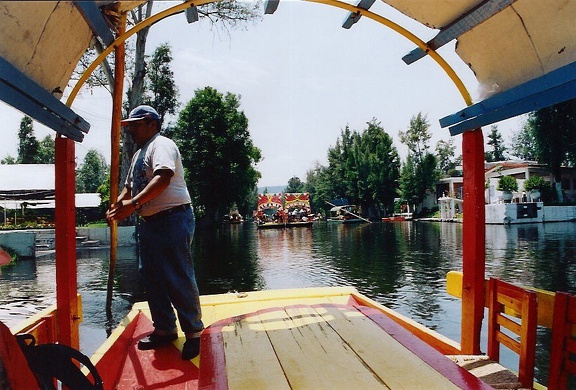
[555, 138]
[27, 143]
[8, 160]
[46, 151]
[378, 166]
[161, 91]
[446, 160]
[294, 185]
[497, 144]
[319, 186]
[225, 14]
[419, 173]
[524, 144]
[92, 174]
[104, 191]
[362, 167]
[417, 136]
[217, 152]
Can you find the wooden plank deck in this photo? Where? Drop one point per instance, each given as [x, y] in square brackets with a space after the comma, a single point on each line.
[293, 339]
[322, 346]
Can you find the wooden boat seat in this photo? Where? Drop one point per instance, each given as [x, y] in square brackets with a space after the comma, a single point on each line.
[503, 300]
[489, 371]
[57, 361]
[562, 363]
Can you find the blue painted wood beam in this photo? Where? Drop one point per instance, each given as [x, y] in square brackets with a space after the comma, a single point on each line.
[270, 6]
[465, 23]
[544, 91]
[19, 91]
[354, 17]
[97, 23]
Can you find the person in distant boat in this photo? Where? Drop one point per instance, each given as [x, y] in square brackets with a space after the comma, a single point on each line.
[155, 189]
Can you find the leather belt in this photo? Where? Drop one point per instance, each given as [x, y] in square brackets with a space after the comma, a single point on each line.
[165, 213]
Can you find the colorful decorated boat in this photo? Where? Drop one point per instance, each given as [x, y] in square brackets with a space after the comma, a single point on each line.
[270, 211]
[301, 338]
[275, 211]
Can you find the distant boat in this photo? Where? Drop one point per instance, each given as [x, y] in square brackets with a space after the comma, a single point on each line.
[233, 218]
[398, 217]
[283, 211]
[345, 214]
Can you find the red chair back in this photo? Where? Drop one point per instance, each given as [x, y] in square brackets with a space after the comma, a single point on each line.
[506, 298]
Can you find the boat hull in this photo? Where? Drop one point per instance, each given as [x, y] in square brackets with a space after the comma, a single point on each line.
[274, 225]
[346, 221]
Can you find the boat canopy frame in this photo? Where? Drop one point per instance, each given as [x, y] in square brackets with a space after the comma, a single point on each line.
[43, 105]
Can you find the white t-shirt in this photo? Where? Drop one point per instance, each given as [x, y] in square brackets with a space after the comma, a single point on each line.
[158, 153]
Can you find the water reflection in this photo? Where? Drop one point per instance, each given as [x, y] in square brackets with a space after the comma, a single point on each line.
[402, 265]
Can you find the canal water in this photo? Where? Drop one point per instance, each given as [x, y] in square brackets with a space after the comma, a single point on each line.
[402, 265]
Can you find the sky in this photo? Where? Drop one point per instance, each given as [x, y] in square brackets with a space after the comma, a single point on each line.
[302, 79]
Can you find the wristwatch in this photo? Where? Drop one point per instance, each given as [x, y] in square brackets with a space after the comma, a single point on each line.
[136, 204]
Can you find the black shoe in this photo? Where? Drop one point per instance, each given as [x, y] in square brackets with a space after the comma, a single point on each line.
[191, 348]
[154, 340]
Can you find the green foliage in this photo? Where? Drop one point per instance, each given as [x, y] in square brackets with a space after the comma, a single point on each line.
[417, 136]
[28, 145]
[535, 182]
[363, 168]
[104, 191]
[294, 185]
[46, 150]
[524, 144]
[419, 173]
[161, 91]
[445, 152]
[496, 142]
[8, 160]
[555, 136]
[30, 151]
[318, 185]
[12, 254]
[507, 184]
[92, 173]
[218, 155]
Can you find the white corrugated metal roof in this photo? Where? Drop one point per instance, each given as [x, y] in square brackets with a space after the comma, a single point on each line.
[91, 200]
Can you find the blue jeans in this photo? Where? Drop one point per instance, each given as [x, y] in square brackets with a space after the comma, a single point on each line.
[167, 272]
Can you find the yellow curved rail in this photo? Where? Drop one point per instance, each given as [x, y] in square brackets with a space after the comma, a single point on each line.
[334, 3]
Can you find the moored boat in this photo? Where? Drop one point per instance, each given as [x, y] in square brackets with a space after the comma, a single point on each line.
[398, 217]
[270, 212]
[288, 210]
[346, 214]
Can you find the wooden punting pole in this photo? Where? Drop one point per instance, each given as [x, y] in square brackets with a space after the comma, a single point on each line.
[115, 156]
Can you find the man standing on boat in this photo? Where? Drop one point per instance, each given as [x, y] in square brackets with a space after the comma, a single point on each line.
[156, 190]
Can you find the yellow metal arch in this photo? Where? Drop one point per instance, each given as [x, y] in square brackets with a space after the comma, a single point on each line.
[334, 3]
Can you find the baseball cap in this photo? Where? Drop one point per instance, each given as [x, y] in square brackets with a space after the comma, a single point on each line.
[139, 113]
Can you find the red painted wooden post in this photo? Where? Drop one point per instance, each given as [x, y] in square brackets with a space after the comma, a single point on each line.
[474, 241]
[68, 316]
